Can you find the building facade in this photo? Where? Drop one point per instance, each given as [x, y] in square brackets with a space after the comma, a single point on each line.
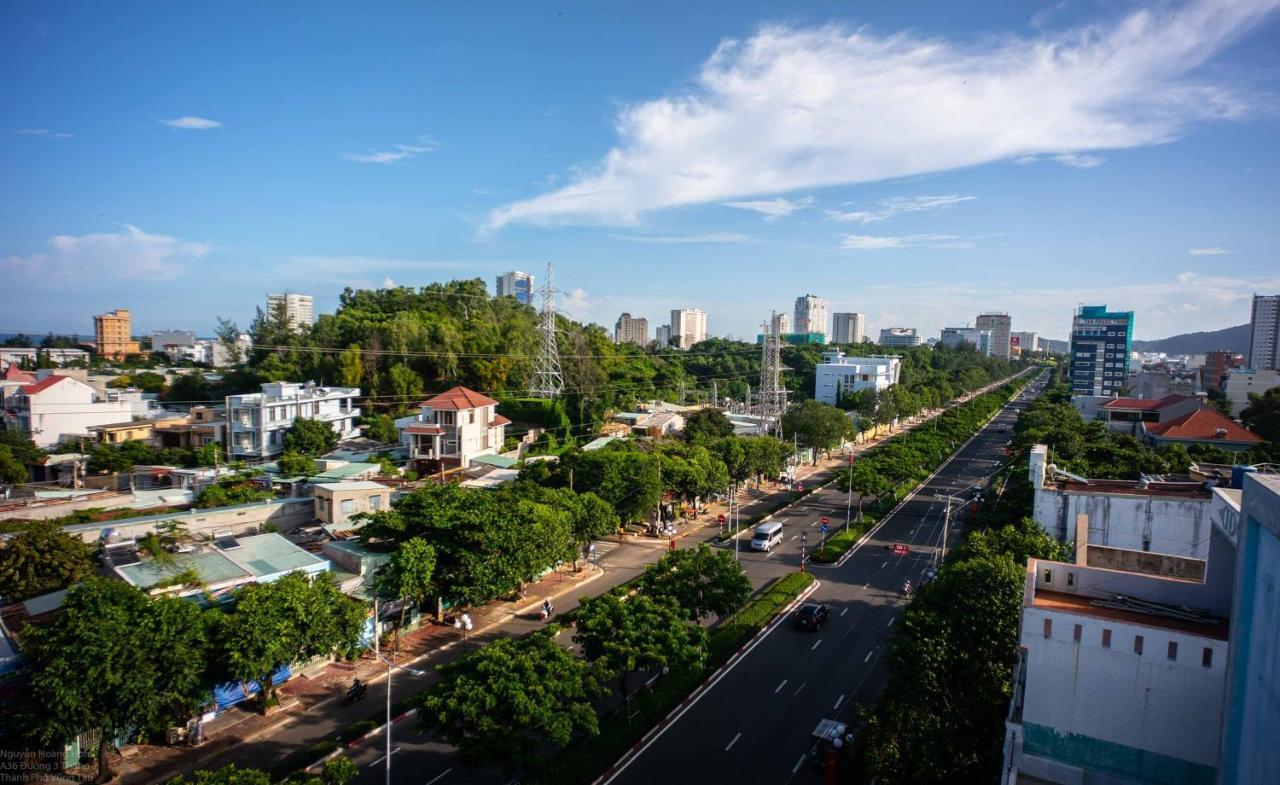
[1217, 365]
[631, 329]
[811, 316]
[112, 335]
[516, 284]
[296, 310]
[1264, 333]
[1101, 341]
[954, 337]
[998, 324]
[256, 422]
[453, 428]
[848, 328]
[662, 335]
[1240, 382]
[161, 339]
[900, 336]
[1024, 342]
[838, 374]
[781, 323]
[59, 408]
[688, 327]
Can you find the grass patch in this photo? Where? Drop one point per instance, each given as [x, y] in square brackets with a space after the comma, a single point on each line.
[300, 759]
[583, 760]
[837, 545]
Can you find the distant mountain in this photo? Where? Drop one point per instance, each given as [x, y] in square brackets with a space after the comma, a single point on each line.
[1050, 345]
[1233, 339]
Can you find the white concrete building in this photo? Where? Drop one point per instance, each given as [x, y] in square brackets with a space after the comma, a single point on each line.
[631, 329]
[256, 422]
[160, 339]
[209, 352]
[838, 373]
[1024, 342]
[957, 336]
[56, 356]
[899, 336]
[688, 327]
[298, 309]
[1264, 333]
[1239, 382]
[811, 316]
[848, 328]
[999, 325]
[453, 428]
[59, 408]
[662, 335]
[781, 323]
[516, 284]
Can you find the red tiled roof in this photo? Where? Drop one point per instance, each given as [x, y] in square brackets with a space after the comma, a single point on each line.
[1202, 425]
[43, 384]
[424, 429]
[15, 374]
[458, 398]
[1145, 404]
[498, 419]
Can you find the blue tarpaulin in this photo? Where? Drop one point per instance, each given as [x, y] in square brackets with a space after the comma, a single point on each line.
[230, 693]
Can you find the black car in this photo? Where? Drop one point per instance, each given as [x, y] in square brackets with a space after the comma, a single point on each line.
[812, 616]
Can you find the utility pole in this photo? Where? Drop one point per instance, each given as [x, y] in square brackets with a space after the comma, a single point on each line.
[848, 499]
[548, 381]
[715, 395]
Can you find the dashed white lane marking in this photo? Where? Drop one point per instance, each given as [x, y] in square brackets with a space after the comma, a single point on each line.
[868, 657]
[844, 611]
[384, 757]
[801, 687]
[780, 686]
[838, 702]
[799, 763]
[884, 564]
[816, 645]
[865, 585]
[891, 621]
[735, 741]
[440, 776]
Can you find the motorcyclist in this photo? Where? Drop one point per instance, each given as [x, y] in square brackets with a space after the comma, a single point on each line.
[906, 589]
[546, 608]
[357, 689]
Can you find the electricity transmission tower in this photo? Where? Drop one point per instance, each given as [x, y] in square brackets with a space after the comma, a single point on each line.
[773, 397]
[548, 382]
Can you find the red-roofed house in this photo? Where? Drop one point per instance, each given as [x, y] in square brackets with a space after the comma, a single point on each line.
[58, 408]
[1128, 414]
[1203, 426]
[452, 428]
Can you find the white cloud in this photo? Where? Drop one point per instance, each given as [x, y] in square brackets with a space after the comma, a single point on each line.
[772, 209]
[44, 132]
[791, 109]
[1079, 161]
[190, 123]
[131, 253]
[866, 242]
[1214, 251]
[365, 272]
[397, 153]
[674, 239]
[897, 205]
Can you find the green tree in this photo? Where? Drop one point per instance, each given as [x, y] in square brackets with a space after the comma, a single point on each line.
[114, 661]
[232, 775]
[228, 340]
[706, 426]
[406, 385]
[294, 464]
[339, 770]
[20, 445]
[190, 387]
[238, 488]
[381, 428]
[1263, 414]
[208, 454]
[818, 425]
[627, 634]
[12, 471]
[350, 366]
[41, 558]
[310, 437]
[701, 581]
[506, 702]
[409, 574]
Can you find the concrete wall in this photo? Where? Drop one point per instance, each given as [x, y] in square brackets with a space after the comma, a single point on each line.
[1114, 711]
[1214, 595]
[285, 514]
[1173, 525]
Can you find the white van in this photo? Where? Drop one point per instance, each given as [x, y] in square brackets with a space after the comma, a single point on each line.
[766, 536]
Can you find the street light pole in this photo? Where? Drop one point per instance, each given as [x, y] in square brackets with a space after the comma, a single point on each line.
[848, 499]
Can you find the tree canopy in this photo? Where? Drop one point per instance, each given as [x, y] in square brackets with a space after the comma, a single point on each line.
[41, 558]
[700, 580]
[707, 425]
[818, 425]
[627, 634]
[310, 437]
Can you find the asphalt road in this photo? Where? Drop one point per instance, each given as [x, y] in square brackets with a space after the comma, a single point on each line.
[754, 725]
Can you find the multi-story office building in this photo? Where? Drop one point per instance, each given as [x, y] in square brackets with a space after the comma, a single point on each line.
[1024, 342]
[848, 328]
[631, 329]
[256, 422]
[1217, 365]
[112, 337]
[998, 324]
[1264, 335]
[899, 336]
[838, 374]
[662, 335]
[958, 336]
[688, 326]
[811, 315]
[516, 284]
[297, 310]
[1100, 344]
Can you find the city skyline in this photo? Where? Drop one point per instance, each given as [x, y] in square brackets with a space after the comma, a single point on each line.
[410, 162]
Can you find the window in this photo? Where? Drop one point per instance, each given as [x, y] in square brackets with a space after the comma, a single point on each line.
[1048, 628]
[1075, 633]
[375, 502]
[1173, 651]
[1048, 576]
[348, 506]
[1137, 644]
[1106, 639]
[1206, 659]
[1071, 579]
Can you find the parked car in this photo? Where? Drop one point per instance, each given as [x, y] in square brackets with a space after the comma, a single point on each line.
[812, 616]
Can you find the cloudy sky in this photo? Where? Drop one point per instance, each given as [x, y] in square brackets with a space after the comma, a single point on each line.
[917, 162]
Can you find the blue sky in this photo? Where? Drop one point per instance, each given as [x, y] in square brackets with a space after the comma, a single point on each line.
[917, 162]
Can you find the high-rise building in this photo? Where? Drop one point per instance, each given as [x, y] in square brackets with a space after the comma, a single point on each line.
[516, 284]
[1024, 342]
[297, 309]
[631, 330]
[998, 324]
[811, 315]
[1100, 344]
[1217, 365]
[1264, 335]
[899, 336]
[782, 323]
[112, 335]
[662, 335]
[957, 336]
[688, 326]
[848, 328]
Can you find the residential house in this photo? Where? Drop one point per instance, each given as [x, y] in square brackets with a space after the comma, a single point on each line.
[257, 421]
[452, 428]
[1203, 426]
[337, 502]
[58, 408]
[838, 374]
[202, 425]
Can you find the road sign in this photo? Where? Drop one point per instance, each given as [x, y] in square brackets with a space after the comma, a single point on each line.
[825, 528]
[825, 520]
[900, 550]
[720, 518]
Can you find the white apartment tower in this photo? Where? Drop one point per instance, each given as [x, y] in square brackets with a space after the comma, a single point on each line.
[298, 309]
[516, 284]
[848, 328]
[688, 326]
[998, 324]
[781, 323]
[811, 316]
[1264, 335]
[631, 329]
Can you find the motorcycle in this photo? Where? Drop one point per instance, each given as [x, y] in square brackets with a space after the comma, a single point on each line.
[545, 612]
[356, 692]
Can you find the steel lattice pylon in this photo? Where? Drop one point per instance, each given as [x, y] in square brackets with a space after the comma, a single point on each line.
[548, 381]
[772, 396]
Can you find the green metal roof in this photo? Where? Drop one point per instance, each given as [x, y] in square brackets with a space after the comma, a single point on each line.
[502, 462]
[213, 567]
[268, 554]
